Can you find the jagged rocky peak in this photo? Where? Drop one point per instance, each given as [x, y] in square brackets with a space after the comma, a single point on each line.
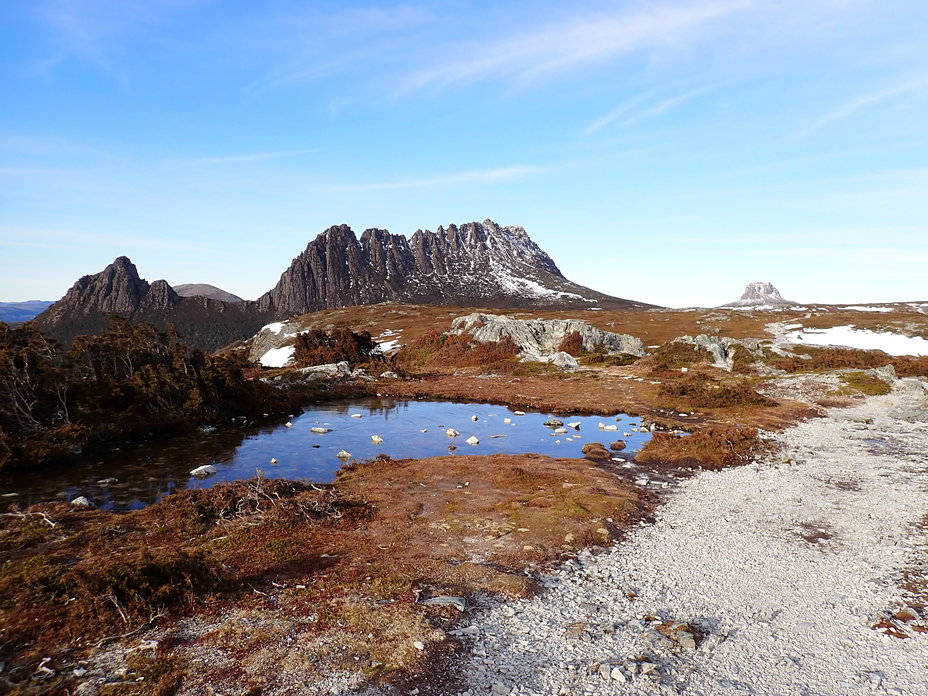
[117, 288]
[760, 294]
[476, 264]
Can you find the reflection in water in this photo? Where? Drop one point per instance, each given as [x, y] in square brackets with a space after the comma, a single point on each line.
[146, 472]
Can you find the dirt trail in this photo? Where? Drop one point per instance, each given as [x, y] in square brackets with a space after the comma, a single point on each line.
[778, 570]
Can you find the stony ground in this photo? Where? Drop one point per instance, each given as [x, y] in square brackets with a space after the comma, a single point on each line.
[791, 575]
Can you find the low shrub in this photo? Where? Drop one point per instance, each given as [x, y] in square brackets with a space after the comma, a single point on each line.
[709, 448]
[674, 355]
[702, 391]
[572, 343]
[318, 347]
[434, 349]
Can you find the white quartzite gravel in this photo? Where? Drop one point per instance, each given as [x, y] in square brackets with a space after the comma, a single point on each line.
[782, 566]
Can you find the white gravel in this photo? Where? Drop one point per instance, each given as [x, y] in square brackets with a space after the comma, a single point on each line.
[782, 566]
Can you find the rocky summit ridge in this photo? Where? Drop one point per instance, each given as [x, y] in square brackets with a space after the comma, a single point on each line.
[760, 294]
[478, 264]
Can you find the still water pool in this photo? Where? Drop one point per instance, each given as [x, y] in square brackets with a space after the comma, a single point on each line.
[148, 471]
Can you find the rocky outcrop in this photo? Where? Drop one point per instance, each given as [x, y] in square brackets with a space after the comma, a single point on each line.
[540, 339]
[760, 295]
[206, 290]
[722, 348]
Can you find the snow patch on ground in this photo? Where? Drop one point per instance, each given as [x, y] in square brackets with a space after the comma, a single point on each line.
[527, 287]
[864, 339]
[863, 308]
[274, 328]
[278, 357]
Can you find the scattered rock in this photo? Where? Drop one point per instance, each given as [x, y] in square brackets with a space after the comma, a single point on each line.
[595, 450]
[342, 454]
[451, 432]
[203, 471]
[575, 425]
[376, 439]
[617, 446]
[472, 440]
[459, 603]
[564, 361]
[81, 501]
[320, 430]
[108, 481]
[389, 374]
[554, 423]
[518, 413]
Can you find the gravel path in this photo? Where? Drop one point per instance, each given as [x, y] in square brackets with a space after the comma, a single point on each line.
[765, 579]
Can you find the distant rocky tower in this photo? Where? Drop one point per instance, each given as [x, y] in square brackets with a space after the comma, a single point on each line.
[760, 295]
[479, 264]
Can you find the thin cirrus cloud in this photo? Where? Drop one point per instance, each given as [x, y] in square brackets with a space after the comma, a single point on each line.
[486, 176]
[864, 101]
[563, 46]
[637, 109]
[243, 158]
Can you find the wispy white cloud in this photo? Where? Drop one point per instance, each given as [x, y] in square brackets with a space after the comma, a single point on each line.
[863, 101]
[91, 27]
[630, 113]
[575, 42]
[242, 158]
[485, 176]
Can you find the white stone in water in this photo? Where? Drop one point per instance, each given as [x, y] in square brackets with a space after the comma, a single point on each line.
[575, 425]
[273, 460]
[451, 432]
[289, 424]
[203, 471]
[356, 415]
[560, 431]
[610, 427]
[473, 418]
[376, 439]
[81, 501]
[342, 454]
[518, 413]
[319, 429]
[507, 421]
[472, 440]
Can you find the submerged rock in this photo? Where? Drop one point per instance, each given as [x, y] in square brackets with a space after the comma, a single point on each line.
[203, 471]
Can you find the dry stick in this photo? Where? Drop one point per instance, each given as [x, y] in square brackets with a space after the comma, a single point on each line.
[144, 627]
[24, 515]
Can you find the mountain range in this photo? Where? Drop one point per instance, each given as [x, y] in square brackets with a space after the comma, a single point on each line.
[474, 265]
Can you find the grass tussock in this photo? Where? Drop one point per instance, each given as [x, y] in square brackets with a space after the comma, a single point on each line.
[865, 383]
[709, 448]
[318, 347]
[833, 358]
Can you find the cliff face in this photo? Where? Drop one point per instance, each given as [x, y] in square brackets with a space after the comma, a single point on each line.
[117, 289]
[479, 264]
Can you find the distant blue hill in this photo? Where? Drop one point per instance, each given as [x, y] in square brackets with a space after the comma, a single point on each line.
[12, 312]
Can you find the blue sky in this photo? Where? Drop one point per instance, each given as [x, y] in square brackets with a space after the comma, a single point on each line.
[668, 151]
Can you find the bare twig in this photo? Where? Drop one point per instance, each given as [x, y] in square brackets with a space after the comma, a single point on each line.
[23, 515]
